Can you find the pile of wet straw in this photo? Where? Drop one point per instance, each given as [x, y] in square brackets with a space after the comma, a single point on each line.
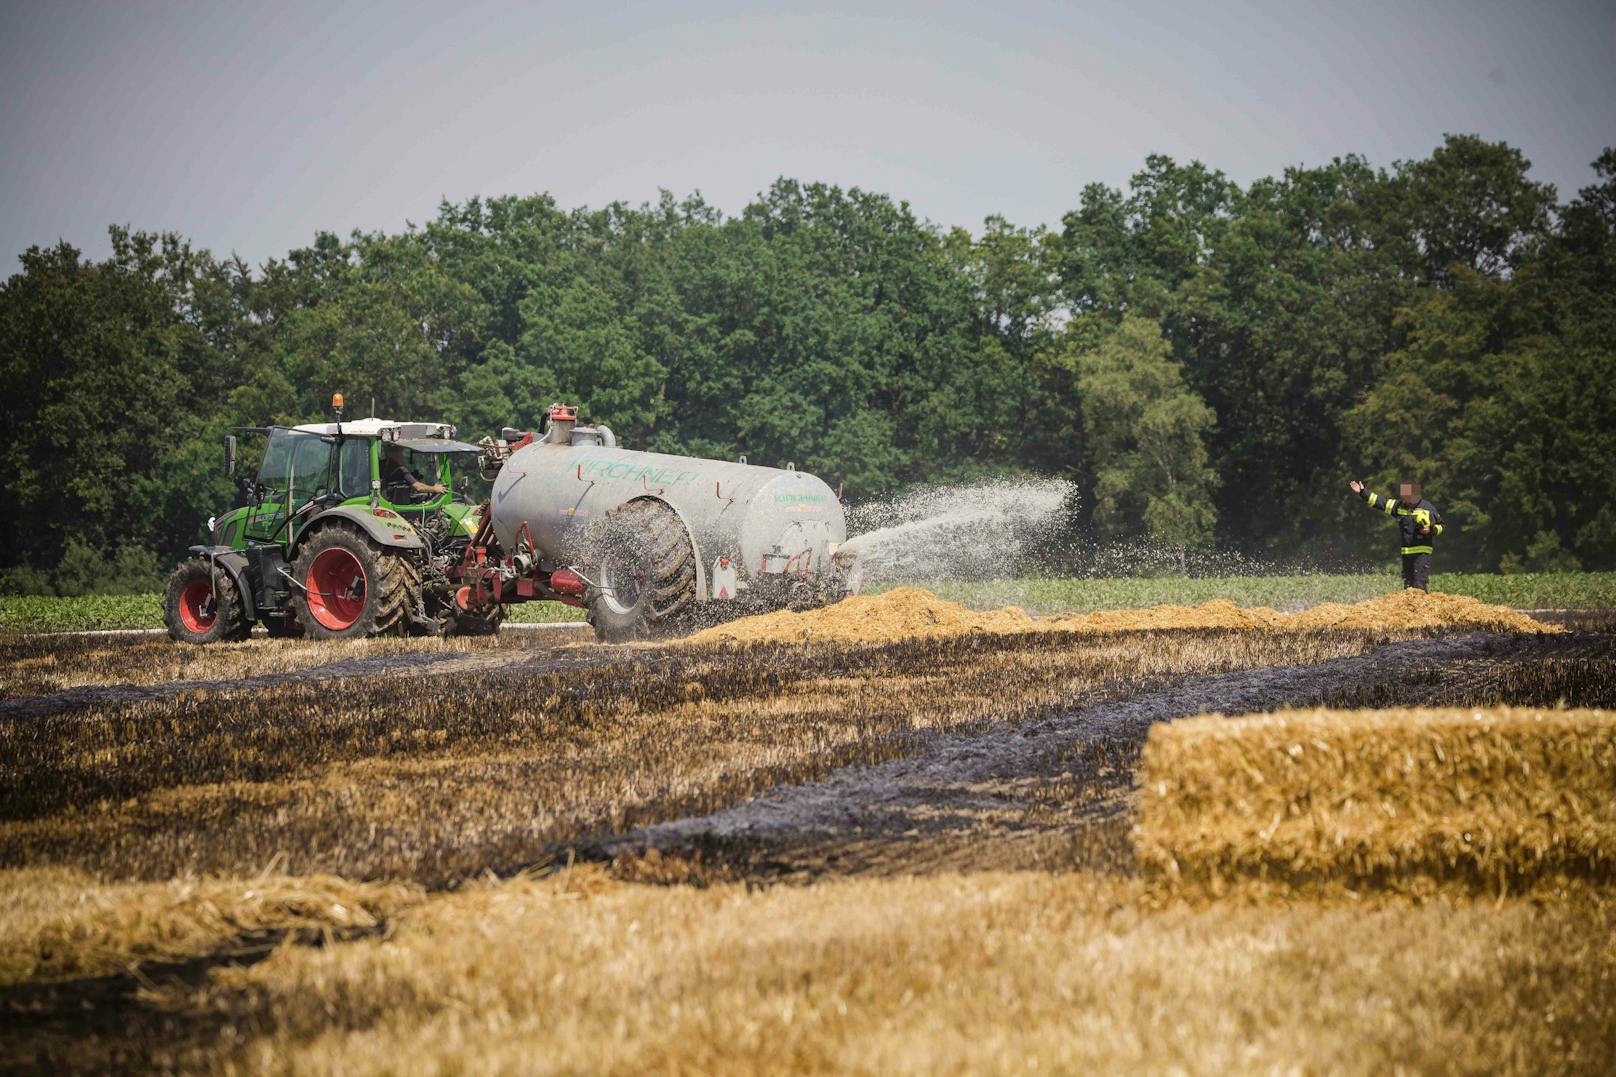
[1499, 798]
[909, 612]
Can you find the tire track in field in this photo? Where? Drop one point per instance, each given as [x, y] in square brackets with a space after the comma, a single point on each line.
[1053, 790]
[419, 663]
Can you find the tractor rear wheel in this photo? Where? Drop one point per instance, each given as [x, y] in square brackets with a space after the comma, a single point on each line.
[350, 587]
[201, 604]
[646, 576]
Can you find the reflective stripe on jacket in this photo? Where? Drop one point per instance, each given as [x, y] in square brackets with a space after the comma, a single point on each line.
[1409, 520]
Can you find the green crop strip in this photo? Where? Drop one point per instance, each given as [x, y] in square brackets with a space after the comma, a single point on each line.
[1558, 590]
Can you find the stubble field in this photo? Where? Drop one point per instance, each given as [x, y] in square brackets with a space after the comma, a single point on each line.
[980, 849]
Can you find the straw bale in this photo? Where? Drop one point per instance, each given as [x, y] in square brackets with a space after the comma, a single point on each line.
[1493, 797]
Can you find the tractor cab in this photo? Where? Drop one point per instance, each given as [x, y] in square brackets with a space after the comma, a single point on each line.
[368, 463]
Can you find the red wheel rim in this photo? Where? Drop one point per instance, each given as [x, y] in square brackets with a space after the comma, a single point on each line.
[337, 588]
[198, 611]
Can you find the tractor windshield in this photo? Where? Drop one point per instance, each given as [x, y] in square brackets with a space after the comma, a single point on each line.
[296, 466]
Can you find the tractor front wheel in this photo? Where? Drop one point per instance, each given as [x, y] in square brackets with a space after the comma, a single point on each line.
[201, 604]
[349, 587]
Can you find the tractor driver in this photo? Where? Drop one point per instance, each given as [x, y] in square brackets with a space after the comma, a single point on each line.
[398, 479]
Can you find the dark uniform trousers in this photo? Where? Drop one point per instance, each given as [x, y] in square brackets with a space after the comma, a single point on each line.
[1417, 570]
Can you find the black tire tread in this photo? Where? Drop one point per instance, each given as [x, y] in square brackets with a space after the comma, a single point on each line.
[230, 622]
[671, 590]
[394, 581]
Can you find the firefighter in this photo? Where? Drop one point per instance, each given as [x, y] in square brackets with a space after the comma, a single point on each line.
[1418, 523]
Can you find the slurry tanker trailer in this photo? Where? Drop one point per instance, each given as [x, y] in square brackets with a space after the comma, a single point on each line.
[329, 543]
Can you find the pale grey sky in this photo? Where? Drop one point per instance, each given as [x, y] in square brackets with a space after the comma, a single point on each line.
[250, 126]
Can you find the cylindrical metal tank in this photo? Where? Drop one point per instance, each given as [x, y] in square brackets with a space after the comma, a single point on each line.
[764, 519]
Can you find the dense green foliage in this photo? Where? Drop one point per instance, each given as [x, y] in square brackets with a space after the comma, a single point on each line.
[1209, 363]
[1147, 434]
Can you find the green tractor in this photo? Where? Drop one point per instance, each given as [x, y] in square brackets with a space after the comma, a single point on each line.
[349, 530]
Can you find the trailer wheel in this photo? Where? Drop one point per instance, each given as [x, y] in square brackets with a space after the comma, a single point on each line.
[201, 604]
[646, 577]
[350, 587]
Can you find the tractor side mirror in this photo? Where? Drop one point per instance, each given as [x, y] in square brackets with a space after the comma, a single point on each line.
[229, 455]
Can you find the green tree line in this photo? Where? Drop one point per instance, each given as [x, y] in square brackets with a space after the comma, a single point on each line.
[1207, 363]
